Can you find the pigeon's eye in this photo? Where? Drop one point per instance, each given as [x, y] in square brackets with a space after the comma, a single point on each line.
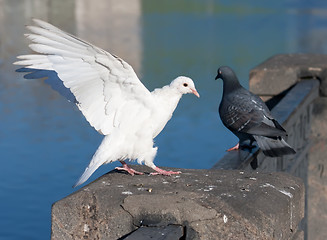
[219, 72]
[185, 84]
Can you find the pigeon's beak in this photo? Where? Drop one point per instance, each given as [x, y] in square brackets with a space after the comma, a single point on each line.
[195, 92]
[218, 75]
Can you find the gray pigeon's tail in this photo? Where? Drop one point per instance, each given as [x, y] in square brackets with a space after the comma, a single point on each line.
[274, 147]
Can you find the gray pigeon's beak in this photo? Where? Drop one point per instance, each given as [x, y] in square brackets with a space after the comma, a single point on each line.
[195, 92]
[218, 75]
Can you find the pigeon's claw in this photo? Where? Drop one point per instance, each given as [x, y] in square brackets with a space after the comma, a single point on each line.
[236, 147]
[126, 168]
[160, 171]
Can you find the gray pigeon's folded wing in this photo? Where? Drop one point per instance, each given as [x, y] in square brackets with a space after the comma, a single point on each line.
[240, 116]
[265, 130]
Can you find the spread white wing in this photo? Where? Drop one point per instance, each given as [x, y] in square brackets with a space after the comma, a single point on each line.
[102, 83]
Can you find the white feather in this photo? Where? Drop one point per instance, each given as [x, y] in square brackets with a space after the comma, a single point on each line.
[107, 92]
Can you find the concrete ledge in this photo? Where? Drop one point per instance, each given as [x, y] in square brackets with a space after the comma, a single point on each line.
[317, 174]
[208, 204]
[280, 72]
[275, 75]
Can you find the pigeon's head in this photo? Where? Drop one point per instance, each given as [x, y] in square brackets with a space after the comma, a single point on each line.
[184, 85]
[224, 73]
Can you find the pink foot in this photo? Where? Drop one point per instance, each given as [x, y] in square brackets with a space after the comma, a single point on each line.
[160, 171]
[236, 147]
[126, 168]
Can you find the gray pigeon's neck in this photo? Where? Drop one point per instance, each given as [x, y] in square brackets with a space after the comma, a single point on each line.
[231, 85]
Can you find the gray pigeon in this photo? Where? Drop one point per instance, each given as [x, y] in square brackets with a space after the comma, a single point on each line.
[248, 117]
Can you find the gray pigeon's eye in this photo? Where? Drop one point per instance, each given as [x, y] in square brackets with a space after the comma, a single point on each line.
[185, 84]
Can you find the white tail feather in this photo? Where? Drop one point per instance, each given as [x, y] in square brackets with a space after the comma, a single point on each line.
[102, 156]
[87, 173]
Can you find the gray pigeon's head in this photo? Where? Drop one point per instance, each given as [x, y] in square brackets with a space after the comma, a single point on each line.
[225, 72]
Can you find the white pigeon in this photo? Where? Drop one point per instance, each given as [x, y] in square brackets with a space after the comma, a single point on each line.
[109, 94]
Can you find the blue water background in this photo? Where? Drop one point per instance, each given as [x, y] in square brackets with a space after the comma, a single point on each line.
[45, 142]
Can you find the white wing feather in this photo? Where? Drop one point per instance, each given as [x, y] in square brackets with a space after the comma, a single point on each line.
[102, 83]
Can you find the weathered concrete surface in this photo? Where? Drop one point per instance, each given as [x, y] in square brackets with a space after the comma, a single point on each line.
[209, 204]
[159, 233]
[317, 175]
[277, 74]
[280, 72]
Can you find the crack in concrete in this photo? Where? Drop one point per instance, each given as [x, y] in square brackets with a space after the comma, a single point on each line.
[133, 218]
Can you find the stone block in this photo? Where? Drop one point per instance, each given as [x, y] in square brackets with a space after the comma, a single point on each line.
[280, 72]
[169, 232]
[207, 204]
[317, 174]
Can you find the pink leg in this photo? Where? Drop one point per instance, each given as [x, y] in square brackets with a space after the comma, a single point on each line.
[160, 171]
[126, 168]
[236, 147]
